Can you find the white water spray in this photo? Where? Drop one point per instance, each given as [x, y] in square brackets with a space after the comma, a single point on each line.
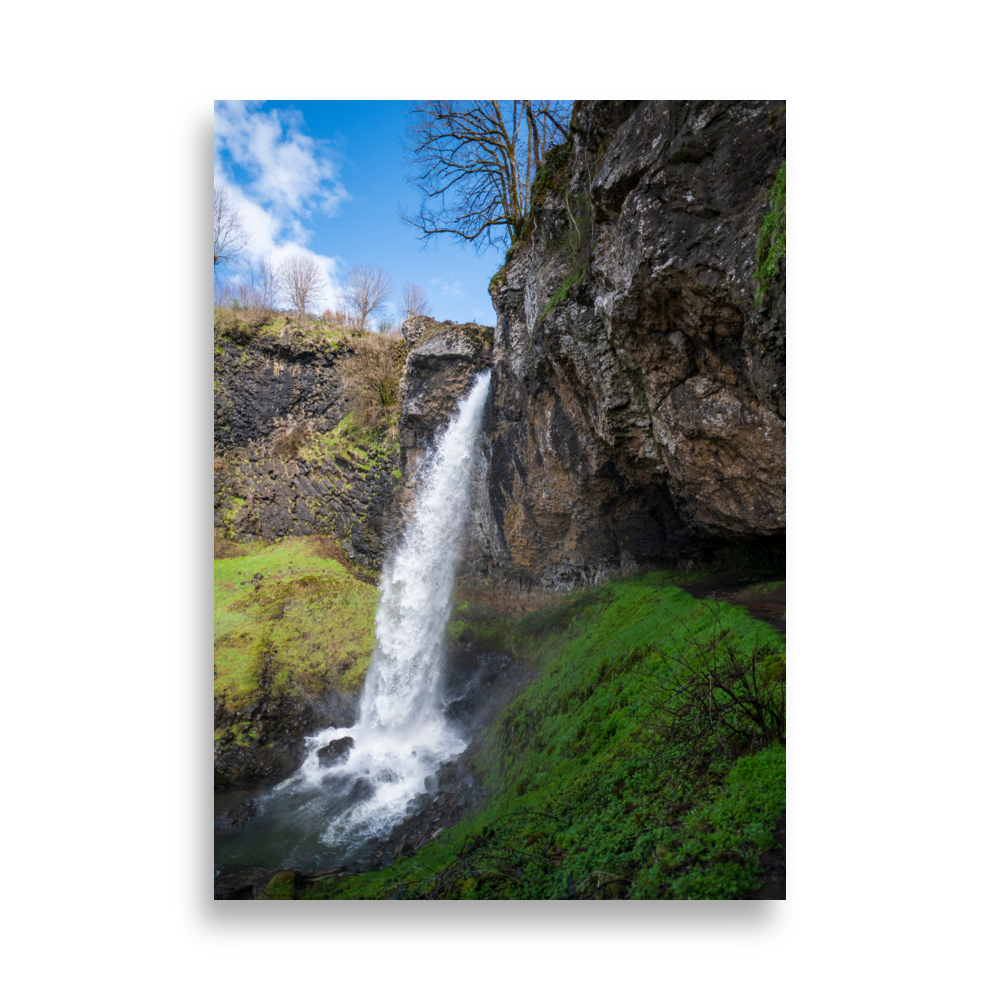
[402, 735]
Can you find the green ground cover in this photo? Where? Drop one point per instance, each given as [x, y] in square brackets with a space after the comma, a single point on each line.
[351, 442]
[307, 625]
[604, 779]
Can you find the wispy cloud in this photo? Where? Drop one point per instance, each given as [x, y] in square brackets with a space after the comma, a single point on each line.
[450, 289]
[277, 176]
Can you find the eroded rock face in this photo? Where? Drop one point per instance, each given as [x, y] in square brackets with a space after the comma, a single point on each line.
[443, 360]
[279, 748]
[260, 378]
[638, 405]
[259, 496]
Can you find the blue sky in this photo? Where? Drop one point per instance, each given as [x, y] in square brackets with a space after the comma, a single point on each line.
[327, 178]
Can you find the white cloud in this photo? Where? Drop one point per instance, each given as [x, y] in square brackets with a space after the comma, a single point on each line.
[450, 289]
[284, 176]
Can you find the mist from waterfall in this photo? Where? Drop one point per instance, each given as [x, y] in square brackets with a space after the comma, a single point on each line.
[402, 735]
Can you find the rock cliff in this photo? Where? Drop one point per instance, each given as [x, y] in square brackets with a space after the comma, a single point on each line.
[337, 481]
[442, 361]
[638, 404]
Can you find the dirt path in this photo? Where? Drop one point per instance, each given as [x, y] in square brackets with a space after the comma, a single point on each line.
[765, 601]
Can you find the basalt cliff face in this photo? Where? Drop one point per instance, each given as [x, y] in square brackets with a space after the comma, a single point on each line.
[637, 412]
[324, 487]
[441, 363]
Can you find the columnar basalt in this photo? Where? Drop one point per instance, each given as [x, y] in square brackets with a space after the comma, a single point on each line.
[329, 486]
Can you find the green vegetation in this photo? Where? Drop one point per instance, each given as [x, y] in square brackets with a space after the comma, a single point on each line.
[563, 291]
[601, 782]
[282, 886]
[370, 377]
[552, 178]
[352, 442]
[239, 324]
[306, 625]
[771, 242]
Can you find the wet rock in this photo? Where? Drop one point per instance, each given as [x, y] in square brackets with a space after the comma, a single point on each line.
[238, 815]
[336, 750]
[243, 766]
[361, 789]
[241, 882]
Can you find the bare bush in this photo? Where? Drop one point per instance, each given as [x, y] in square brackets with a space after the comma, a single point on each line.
[369, 288]
[289, 434]
[371, 376]
[231, 237]
[302, 282]
[711, 698]
[413, 301]
[248, 298]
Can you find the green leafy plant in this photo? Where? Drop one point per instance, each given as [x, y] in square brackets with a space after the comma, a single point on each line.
[771, 241]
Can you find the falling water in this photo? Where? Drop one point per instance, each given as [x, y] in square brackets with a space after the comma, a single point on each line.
[402, 736]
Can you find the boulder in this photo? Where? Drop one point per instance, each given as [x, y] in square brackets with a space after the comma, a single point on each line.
[336, 750]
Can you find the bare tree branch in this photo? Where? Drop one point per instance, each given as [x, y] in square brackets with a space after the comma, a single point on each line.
[302, 281]
[231, 238]
[369, 288]
[413, 301]
[474, 162]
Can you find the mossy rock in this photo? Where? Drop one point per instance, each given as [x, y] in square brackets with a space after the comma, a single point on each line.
[773, 669]
[282, 886]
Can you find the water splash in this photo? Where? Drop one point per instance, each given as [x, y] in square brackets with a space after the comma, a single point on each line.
[402, 735]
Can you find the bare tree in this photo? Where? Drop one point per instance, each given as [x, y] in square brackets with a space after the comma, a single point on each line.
[474, 162]
[261, 276]
[231, 237]
[302, 281]
[369, 288]
[413, 301]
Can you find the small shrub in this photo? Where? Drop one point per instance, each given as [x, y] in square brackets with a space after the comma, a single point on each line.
[290, 433]
[713, 698]
[371, 377]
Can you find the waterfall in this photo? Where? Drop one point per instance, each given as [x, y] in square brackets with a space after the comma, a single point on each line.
[401, 736]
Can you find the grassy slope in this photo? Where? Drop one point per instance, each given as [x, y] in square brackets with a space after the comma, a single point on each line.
[310, 617]
[586, 800]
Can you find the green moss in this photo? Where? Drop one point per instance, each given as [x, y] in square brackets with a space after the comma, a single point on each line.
[553, 176]
[771, 241]
[351, 442]
[307, 626]
[282, 886]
